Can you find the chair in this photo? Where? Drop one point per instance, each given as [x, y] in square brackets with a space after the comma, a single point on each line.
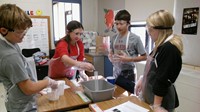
[51, 53]
[30, 52]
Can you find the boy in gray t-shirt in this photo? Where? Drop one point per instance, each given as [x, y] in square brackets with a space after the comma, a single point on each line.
[126, 48]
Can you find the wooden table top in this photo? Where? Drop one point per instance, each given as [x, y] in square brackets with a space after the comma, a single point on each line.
[111, 103]
[82, 110]
[70, 100]
[114, 102]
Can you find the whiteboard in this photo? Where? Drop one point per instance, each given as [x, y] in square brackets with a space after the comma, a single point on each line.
[38, 36]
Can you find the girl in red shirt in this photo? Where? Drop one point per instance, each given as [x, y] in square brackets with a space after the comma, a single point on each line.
[69, 54]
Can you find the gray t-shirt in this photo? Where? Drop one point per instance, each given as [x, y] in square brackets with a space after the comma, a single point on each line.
[14, 69]
[133, 49]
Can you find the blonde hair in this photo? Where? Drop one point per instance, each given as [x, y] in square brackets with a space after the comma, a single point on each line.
[12, 17]
[163, 21]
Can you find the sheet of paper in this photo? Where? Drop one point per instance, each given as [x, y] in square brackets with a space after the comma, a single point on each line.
[127, 107]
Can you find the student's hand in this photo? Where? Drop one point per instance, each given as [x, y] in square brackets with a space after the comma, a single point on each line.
[138, 87]
[159, 109]
[86, 66]
[52, 83]
[110, 56]
[122, 57]
[84, 76]
[113, 57]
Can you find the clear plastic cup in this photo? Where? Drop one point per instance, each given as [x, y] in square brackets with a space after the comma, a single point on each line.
[53, 94]
[61, 85]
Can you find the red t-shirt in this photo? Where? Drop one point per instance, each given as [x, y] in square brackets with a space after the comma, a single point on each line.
[62, 49]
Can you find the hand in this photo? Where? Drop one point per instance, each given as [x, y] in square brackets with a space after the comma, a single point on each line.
[122, 57]
[158, 108]
[138, 87]
[52, 83]
[110, 56]
[84, 76]
[86, 66]
[113, 57]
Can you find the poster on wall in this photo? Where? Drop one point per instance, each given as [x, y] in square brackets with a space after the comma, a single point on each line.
[109, 20]
[190, 20]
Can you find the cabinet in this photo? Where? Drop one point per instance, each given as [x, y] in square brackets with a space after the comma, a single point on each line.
[108, 67]
[97, 60]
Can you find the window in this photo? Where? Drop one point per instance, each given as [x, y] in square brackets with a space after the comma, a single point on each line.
[63, 12]
[139, 28]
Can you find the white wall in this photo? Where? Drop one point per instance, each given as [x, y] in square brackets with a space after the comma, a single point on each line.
[191, 42]
[141, 9]
[90, 15]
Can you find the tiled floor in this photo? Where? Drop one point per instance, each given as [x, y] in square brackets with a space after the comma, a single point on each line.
[2, 105]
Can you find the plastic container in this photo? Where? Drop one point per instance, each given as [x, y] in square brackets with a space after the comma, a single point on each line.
[53, 95]
[104, 91]
[61, 87]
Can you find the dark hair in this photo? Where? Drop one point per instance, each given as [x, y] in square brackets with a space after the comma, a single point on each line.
[71, 26]
[123, 15]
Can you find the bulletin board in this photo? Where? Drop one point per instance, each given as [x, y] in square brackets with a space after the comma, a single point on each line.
[38, 36]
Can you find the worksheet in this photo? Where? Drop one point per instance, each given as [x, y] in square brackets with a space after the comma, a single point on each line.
[127, 107]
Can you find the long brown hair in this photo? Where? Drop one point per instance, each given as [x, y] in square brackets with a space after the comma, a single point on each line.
[71, 26]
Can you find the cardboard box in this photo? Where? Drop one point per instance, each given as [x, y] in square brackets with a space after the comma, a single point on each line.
[102, 44]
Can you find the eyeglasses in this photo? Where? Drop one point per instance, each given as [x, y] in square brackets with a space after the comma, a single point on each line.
[19, 32]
